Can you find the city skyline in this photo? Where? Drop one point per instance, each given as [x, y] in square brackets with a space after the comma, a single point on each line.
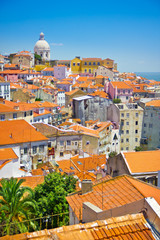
[128, 34]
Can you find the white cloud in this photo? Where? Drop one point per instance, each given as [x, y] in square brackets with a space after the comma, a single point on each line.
[56, 44]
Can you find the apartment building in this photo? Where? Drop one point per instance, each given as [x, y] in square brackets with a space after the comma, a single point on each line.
[129, 117]
[151, 124]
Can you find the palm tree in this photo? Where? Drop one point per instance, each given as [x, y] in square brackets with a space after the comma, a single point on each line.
[17, 205]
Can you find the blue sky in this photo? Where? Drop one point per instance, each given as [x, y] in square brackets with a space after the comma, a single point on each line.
[126, 31]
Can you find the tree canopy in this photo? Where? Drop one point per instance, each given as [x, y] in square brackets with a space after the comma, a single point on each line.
[51, 197]
[16, 205]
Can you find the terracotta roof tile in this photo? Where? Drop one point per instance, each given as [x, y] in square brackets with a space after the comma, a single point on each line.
[140, 162]
[7, 154]
[18, 131]
[154, 103]
[120, 85]
[114, 193]
[126, 227]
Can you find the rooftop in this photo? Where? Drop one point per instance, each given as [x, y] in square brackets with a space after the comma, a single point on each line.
[123, 228]
[143, 161]
[7, 154]
[113, 193]
[18, 131]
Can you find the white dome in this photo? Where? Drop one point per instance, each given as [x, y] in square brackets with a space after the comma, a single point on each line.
[41, 45]
[42, 48]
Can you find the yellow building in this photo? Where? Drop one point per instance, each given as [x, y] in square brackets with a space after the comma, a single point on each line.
[76, 65]
[89, 64]
[109, 63]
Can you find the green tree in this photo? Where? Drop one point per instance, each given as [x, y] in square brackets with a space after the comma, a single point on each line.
[137, 149]
[116, 100]
[16, 205]
[51, 198]
[112, 154]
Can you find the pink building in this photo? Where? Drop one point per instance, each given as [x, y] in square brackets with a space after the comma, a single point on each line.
[60, 71]
[120, 90]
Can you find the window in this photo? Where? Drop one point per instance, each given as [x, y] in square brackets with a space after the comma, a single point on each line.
[136, 122]
[39, 160]
[122, 132]
[79, 163]
[25, 151]
[129, 91]
[94, 63]
[90, 63]
[145, 125]
[14, 115]
[61, 143]
[122, 114]
[76, 143]
[68, 142]
[61, 154]
[151, 114]
[122, 140]
[49, 144]
[98, 63]
[85, 70]
[127, 123]
[123, 91]
[41, 148]
[2, 117]
[127, 114]
[136, 131]
[127, 139]
[136, 114]
[127, 148]
[78, 64]
[85, 63]
[90, 70]
[122, 148]
[74, 64]
[127, 131]
[25, 114]
[34, 149]
[119, 91]
[31, 113]
[150, 125]
[136, 139]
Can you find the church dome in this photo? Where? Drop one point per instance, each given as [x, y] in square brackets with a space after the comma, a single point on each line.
[41, 44]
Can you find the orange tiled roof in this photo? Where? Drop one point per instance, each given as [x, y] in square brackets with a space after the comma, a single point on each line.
[154, 103]
[7, 154]
[71, 92]
[32, 181]
[140, 162]
[120, 85]
[6, 109]
[18, 131]
[84, 130]
[116, 192]
[41, 114]
[90, 163]
[123, 228]
[48, 69]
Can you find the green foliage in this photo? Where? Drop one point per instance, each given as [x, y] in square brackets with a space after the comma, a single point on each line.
[112, 154]
[37, 57]
[16, 206]
[51, 197]
[137, 149]
[116, 100]
[38, 99]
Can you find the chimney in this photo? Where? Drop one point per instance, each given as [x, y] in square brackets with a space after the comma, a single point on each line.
[98, 176]
[86, 186]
